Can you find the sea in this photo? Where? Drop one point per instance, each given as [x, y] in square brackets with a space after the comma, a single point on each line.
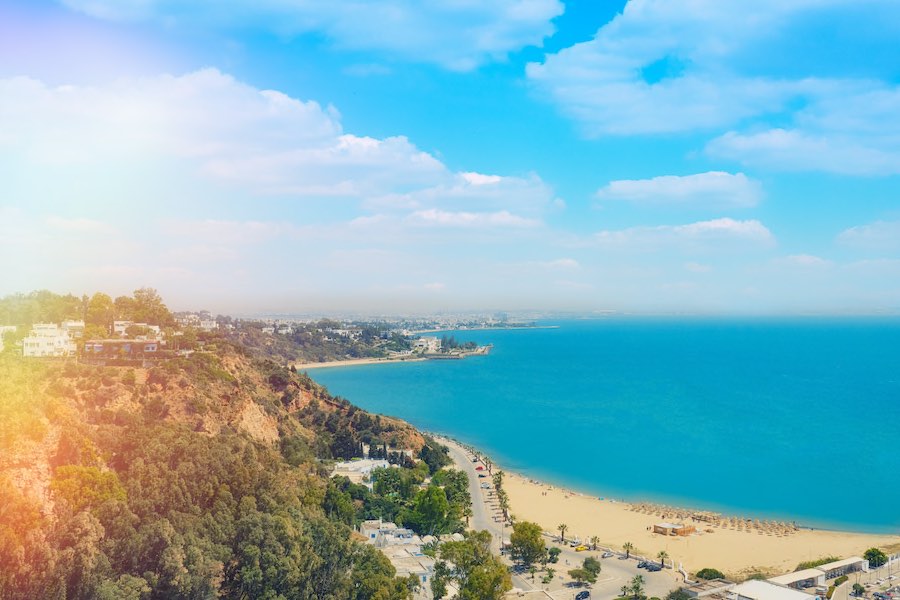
[788, 419]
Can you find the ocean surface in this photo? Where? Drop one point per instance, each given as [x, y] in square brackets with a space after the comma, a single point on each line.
[788, 419]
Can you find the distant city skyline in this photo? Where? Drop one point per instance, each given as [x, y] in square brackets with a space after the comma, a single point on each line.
[649, 156]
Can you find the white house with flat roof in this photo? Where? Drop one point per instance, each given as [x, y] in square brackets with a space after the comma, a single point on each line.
[800, 580]
[843, 567]
[48, 339]
[765, 590]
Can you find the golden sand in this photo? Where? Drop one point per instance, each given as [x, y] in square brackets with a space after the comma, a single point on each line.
[735, 546]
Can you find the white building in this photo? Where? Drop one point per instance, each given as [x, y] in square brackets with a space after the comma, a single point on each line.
[358, 471]
[765, 590]
[75, 329]
[429, 345]
[48, 339]
[208, 325]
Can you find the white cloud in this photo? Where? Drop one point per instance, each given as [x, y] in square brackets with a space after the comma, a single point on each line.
[712, 234]
[457, 35]
[442, 218]
[803, 261]
[798, 150]
[675, 66]
[880, 235]
[177, 135]
[714, 189]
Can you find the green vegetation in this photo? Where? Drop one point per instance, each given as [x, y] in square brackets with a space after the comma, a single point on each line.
[812, 564]
[875, 557]
[478, 574]
[553, 554]
[840, 580]
[527, 544]
[203, 476]
[858, 589]
[710, 573]
[628, 547]
[678, 594]
[588, 571]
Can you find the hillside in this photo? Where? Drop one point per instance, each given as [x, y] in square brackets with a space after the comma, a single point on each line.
[202, 477]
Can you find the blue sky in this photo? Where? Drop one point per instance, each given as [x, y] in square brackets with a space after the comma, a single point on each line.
[699, 156]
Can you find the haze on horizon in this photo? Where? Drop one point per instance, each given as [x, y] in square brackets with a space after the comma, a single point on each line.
[643, 156]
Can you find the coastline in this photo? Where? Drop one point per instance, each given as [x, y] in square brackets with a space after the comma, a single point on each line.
[353, 362]
[736, 546]
[518, 328]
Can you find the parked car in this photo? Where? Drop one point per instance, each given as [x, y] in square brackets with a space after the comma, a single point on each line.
[581, 548]
[583, 595]
[653, 568]
[642, 564]
[607, 554]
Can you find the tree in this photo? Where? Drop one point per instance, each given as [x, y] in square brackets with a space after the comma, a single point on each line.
[858, 589]
[439, 580]
[875, 557]
[628, 547]
[562, 527]
[435, 455]
[582, 576]
[592, 565]
[548, 577]
[710, 573]
[625, 589]
[430, 510]
[100, 311]
[594, 541]
[637, 586]
[526, 543]
[553, 554]
[662, 555]
[479, 574]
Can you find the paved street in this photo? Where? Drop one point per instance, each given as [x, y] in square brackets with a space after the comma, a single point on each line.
[616, 571]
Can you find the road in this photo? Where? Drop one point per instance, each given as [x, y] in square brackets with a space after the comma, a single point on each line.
[616, 571]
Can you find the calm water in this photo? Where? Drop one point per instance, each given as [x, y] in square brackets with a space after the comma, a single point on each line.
[775, 419]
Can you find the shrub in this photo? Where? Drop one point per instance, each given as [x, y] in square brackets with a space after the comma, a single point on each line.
[710, 573]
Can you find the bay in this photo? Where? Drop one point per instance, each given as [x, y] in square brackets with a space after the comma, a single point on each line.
[793, 419]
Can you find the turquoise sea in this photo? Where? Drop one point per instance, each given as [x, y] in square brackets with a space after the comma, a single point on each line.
[789, 419]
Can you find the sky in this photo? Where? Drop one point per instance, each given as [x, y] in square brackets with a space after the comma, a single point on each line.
[399, 156]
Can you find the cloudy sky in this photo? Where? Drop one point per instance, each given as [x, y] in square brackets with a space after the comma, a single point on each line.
[703, 156]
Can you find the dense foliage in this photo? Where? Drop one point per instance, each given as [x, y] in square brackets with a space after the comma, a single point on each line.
[114, 485]
[710, 573]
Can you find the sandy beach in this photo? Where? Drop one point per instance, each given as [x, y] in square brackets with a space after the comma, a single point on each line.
[737, 550]
[352, 362]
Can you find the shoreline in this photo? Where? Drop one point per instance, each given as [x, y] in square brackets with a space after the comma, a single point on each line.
[353, 362]
[519, 328]
[738, 546]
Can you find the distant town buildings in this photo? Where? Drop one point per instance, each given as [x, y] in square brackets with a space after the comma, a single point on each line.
[428, 345]
[50, 340]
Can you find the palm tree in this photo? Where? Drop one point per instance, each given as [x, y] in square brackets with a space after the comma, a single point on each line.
[594, 541]
[467, 512]
[662, 556]
[637, 586]
[628, 547]
[625, 590]
[562, 532]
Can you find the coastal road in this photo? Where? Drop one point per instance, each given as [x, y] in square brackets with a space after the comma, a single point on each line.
[616, 571]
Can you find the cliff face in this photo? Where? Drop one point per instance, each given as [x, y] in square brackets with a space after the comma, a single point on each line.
[120, 482]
